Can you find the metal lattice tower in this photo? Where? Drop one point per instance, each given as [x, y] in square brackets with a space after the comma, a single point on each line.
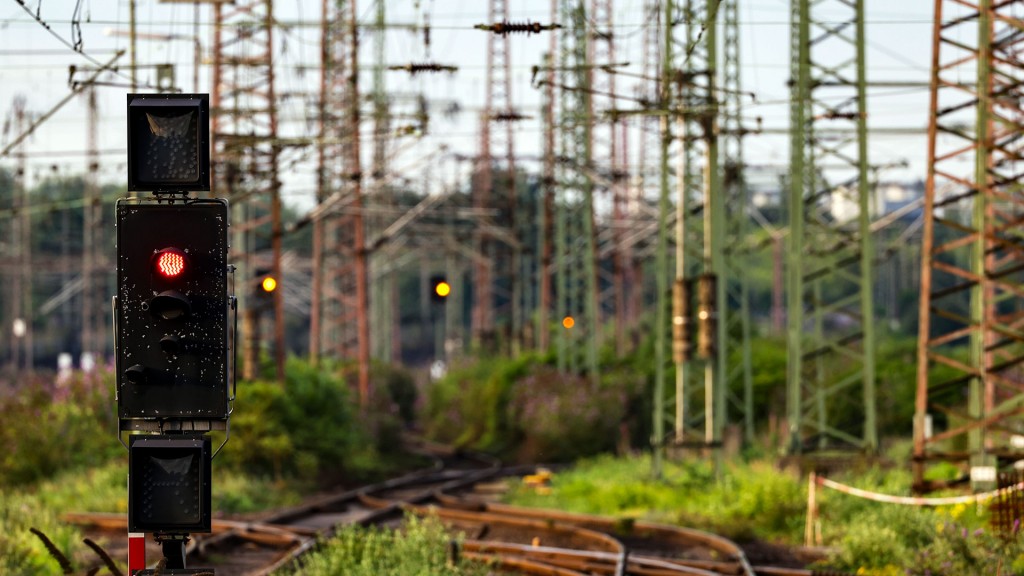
[244, 126]
[691, 67]
[646, 190]
[340, 249]
[334, 328]
[576, 244]
[831, 335]
[735, 310]
[384, 323]
[20, 284]
[93, 277]
[664, 97]
[971, 341]
[610, 163]
[546, 215]
[497, 101]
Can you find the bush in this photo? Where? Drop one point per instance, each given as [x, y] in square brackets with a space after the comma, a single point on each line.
[297, 429]
[466, 407]
[957, 550]
[401, 390]
[311, 426]
[882, 537]
[563, 416]
[757, 495]
[421, 549]
[48, 428]
[527, 408]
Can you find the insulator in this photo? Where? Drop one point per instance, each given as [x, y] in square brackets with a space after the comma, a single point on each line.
[707, 315]
[416, 68]
[508, 117]
[619, 175]
[505, 27]
[682, 338]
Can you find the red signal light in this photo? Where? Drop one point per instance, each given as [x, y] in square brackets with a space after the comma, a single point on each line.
[170, 262]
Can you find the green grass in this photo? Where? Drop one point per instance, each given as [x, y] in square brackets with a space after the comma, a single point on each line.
[420, 549]
[103, 489]
[757, 500]
[748, 497]
[288, 439]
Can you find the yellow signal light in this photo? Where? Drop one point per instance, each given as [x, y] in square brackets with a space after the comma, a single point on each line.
[442, 289]
[269, 284]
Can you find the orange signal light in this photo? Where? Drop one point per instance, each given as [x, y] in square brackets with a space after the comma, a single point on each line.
[568, 322]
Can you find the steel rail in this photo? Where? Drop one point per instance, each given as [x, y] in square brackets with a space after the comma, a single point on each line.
[642, 529]
[590, 544]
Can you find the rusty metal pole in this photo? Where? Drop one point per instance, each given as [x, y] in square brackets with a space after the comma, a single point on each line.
[971, 262]
[362, 299]
[548, 188]
[275, 201]
[92, 317]
[322, 192]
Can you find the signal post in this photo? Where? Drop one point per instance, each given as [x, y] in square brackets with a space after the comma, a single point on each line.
[173, 325]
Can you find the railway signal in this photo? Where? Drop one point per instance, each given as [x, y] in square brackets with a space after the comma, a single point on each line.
[172, 339]
[168, 142]
[269, 284]
[440, 289]
[169, 479]
[172, 310]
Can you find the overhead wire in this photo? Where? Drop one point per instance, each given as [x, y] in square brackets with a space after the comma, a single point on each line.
[78, 50]
[295, 31]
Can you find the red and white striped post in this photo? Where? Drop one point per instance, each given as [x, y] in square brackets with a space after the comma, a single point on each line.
[136, 551]
[136, 543]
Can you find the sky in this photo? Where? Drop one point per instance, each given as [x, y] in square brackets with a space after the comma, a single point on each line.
[34, 64]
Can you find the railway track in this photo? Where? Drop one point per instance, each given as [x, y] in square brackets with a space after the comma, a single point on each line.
[512, 539]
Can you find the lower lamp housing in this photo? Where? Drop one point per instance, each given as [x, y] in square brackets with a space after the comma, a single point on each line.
[169, 484]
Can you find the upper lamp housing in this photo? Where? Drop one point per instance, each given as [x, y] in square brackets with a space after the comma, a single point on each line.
[168, 142]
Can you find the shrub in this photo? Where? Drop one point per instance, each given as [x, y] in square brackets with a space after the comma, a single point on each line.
[311, 426]
[958, 550]
[79, 426]
[420, 548]
[527, 408]
[758, 495]
[466, 407]
[563, 416]
[401, 390]
[882, 537]
[297, 429]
